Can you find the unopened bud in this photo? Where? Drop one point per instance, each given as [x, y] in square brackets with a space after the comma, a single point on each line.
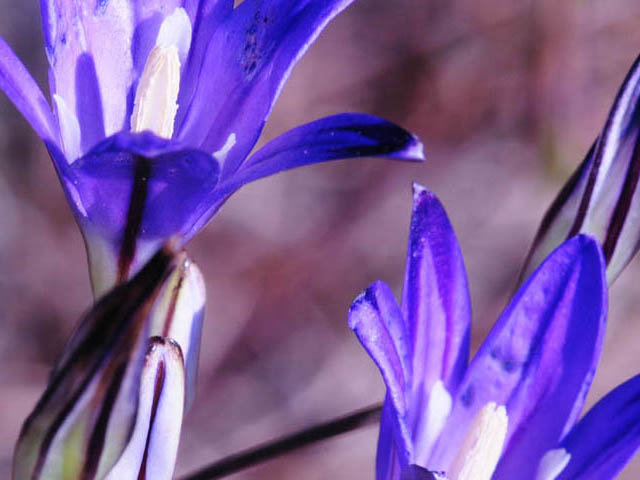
[151, 452]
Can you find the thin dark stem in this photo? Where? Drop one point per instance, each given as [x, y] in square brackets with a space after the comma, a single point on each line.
[248, 458]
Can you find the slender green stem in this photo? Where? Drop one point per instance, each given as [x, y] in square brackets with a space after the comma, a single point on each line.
[248, 458]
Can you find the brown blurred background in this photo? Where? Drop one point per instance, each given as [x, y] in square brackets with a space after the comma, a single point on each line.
[507, 97]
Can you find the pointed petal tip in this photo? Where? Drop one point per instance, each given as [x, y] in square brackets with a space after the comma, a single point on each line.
[157, 343]
[195, 276]
[414, 150]
[424, 199]
[420, 191]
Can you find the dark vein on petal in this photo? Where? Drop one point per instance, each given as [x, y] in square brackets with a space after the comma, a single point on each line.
[160, 374]
[96, 443]
[604, 140]
[125, 302]
[135, 214]
[554, 209]
[623, 205]
[588, 191]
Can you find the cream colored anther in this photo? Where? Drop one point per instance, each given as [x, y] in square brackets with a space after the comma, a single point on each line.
[155, 105]
[482, 446]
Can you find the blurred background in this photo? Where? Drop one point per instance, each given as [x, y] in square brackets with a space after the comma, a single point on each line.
[507, 97]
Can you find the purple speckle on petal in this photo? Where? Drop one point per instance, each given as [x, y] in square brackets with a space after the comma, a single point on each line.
[508, 365]
[251, 51]
[506, 362]
[467, 396]
[101, 6]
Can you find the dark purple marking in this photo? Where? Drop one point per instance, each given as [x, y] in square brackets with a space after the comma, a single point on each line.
[601, 143]
[623, 204]
[160, 375]
[96, 442]
[555, 207]
[135, 214]
[98, 344]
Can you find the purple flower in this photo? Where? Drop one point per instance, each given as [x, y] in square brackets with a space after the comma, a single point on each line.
[601, 197]
[158, 104]
[512, 412]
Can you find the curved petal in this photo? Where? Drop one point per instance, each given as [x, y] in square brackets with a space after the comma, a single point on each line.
[602, 442]
[436, 300]
[206, 17]
[130, 193]
[342, 136]
[380, 330]
[538, 360]
[602, 195]
[250, 56]
[176, 183]
[23, 91]
[96, 53]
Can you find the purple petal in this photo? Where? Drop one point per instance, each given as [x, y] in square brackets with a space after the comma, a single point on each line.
[538, 359]
[206, 17]
[436, 296]
[246, 65]
[96, 53]
[414, 472]
[607, 437]
[598, 198]
[337, 137]
[379, 333]
[130, 193]
[176, 182]
[23, 91]
[388, 464]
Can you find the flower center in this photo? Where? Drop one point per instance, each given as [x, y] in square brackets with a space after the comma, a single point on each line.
[155, 105]
[482, 446]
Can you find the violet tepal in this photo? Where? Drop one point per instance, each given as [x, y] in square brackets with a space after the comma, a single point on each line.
[157, 105]
[512, 411]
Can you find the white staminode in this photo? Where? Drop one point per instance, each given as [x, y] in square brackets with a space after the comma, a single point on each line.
[438, 410]
[552, 464]
[482, 446]
[221, 155]
[69, 129]
[155, 105]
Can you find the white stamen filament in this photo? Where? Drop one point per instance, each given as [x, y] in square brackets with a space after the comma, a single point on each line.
[482, 446]
[155, 105]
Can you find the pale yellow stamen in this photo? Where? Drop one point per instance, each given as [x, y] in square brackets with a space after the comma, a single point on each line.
[482, 446]
[155, 104]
